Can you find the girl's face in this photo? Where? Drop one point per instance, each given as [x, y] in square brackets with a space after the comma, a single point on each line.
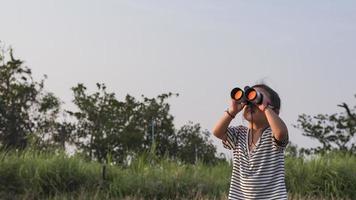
[252, 113]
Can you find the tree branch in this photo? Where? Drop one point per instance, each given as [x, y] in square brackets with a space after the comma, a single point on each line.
[351, 115]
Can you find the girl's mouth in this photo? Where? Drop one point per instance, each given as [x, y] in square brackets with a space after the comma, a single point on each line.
[251, 109]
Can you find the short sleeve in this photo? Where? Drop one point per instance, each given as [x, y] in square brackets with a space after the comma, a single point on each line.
[280, 144]
[232, 134]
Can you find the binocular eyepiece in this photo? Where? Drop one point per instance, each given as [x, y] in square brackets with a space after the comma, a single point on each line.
[248, 95]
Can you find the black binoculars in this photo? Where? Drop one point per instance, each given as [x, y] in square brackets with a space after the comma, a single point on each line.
[248, 95]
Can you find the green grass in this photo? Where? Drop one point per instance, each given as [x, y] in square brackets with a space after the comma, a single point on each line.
[329, 176]
[34, 175]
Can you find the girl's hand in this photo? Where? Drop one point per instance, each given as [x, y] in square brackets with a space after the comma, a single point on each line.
[236, 107]
[265, 101]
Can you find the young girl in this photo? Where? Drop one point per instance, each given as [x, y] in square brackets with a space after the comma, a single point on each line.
[258, 150]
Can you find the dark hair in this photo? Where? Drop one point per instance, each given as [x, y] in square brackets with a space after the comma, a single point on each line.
[273, 95]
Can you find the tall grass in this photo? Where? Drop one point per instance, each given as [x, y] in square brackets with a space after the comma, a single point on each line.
[34, 175]
[330, 176]
[40, 174]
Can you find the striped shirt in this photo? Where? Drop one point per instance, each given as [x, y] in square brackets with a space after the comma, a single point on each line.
[258, 174]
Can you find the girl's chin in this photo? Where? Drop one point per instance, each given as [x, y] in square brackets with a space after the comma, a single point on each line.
[251, 117]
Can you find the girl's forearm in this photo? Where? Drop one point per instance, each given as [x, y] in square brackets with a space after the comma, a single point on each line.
[279, 128]
[221, 126]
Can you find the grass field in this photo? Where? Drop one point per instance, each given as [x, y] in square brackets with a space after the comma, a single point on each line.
[34, 175]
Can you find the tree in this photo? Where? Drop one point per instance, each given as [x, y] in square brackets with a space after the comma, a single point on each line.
[292, 150]
[99, 124]
[158, 125]
[102, 128]
[24, 106]
[46, 125]
[334, 132]
[194, 145]
[108, 127]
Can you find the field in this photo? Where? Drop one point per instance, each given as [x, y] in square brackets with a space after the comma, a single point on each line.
[34, 175]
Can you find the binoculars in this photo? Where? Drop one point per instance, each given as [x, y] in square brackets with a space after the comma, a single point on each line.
[248, 95]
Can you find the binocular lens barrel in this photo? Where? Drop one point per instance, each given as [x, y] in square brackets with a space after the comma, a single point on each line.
[254, 96]
[250, 95]
[237, 94]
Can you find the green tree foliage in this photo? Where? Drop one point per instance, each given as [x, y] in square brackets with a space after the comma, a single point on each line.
[109, 128]
[26, 111]
[292, 150]
[102, 127]
[194, 145]
[158, 125]
[334, 132]
[100, 124]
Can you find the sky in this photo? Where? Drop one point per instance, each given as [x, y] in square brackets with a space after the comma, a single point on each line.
[201, 49]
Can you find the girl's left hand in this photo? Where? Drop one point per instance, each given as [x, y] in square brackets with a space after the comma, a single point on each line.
[265, 101]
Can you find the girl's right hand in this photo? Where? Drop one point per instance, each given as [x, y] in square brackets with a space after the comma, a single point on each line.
[236, 107]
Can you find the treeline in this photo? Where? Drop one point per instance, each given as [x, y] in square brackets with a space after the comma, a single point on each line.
[335, 132]
[106, 129]
[101, 128]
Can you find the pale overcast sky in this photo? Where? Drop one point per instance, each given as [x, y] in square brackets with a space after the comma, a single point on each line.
[201, 49]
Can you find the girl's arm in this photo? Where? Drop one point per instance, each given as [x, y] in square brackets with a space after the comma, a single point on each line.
[279, 128]
[221, 126]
